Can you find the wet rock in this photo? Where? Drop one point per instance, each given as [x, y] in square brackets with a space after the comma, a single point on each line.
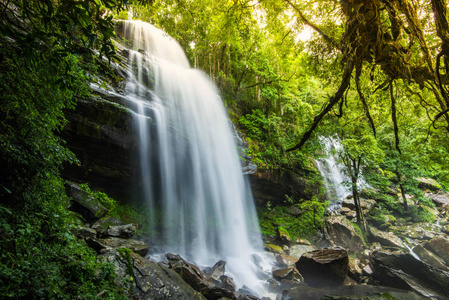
[340, 232]
[367, 270]
[121, 231]
[429, 257]
[89, 207]
[297, 250]
[295, 211]
[217, 271]
[428, 184]
[439, 246]
[147, 279]
[290, 273]
[324, 268]
[406, 272]
[387, 239]
[348, 203]
[247, 292]
[227, 283]
[113, 243]
[190, 273]
[286, 260]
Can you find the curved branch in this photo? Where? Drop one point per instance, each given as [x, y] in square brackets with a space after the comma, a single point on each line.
[349, 67]
[393, 118]
[314, 27]
[358, 72]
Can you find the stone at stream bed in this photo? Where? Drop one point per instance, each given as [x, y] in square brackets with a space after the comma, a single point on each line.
[113, 243]
[387, 239]
[440, 199]
[439, 246]
[325, 267]
[147, 279]
[406, 272]
[340, 232]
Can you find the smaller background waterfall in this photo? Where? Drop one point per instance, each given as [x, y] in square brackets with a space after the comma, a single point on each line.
[335, 181]
[200, 206]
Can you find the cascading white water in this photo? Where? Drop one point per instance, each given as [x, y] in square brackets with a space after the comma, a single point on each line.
[337, 184]
[333, 177]
[192, 178]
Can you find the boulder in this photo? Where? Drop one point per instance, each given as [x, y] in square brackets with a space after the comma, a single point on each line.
[325, 267]
[290, 273]
[217, 271]
[227, 283]
[83, 232]
[429, 257]
[285, 260]
[113, 243]
[190, 273]
[440, 199]
[428, 184]
[121, 231]
[102, 225]
[355, 272]
[406, 272]
[439, 246]
[387, 239]
[283, 235]
[340, 232]
[89, 207]
[297, 250]
[147, 279]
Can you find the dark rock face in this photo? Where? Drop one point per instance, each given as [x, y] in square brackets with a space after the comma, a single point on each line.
[289, 273]
[405, 272]
[147, 279]
[100, 134]
[440, 246]
[324, 268]
[273, 185]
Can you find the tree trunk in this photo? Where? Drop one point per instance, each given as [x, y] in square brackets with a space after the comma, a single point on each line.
[358, 210]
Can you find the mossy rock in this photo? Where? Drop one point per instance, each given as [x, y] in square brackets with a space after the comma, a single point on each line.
[274, 248]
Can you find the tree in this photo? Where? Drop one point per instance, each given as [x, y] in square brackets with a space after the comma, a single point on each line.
[357, 152]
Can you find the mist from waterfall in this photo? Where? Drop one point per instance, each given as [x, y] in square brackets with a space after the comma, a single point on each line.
[200, 206]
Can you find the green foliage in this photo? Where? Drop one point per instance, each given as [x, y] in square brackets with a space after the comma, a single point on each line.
[278, 218]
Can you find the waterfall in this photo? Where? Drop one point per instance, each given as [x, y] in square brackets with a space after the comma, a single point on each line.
[337, 184]
[333, 177]
[200, 205]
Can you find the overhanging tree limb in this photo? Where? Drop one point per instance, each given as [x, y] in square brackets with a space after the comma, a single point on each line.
[349, 67]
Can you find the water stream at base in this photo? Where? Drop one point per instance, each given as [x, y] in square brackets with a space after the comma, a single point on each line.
[199, 203]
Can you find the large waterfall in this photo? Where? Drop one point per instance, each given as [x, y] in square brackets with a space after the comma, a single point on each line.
[200, 205]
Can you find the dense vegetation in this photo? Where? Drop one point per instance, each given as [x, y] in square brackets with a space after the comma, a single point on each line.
[372, 73]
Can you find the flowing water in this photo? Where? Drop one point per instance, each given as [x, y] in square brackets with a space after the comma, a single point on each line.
[199, 202]
[333, 176]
